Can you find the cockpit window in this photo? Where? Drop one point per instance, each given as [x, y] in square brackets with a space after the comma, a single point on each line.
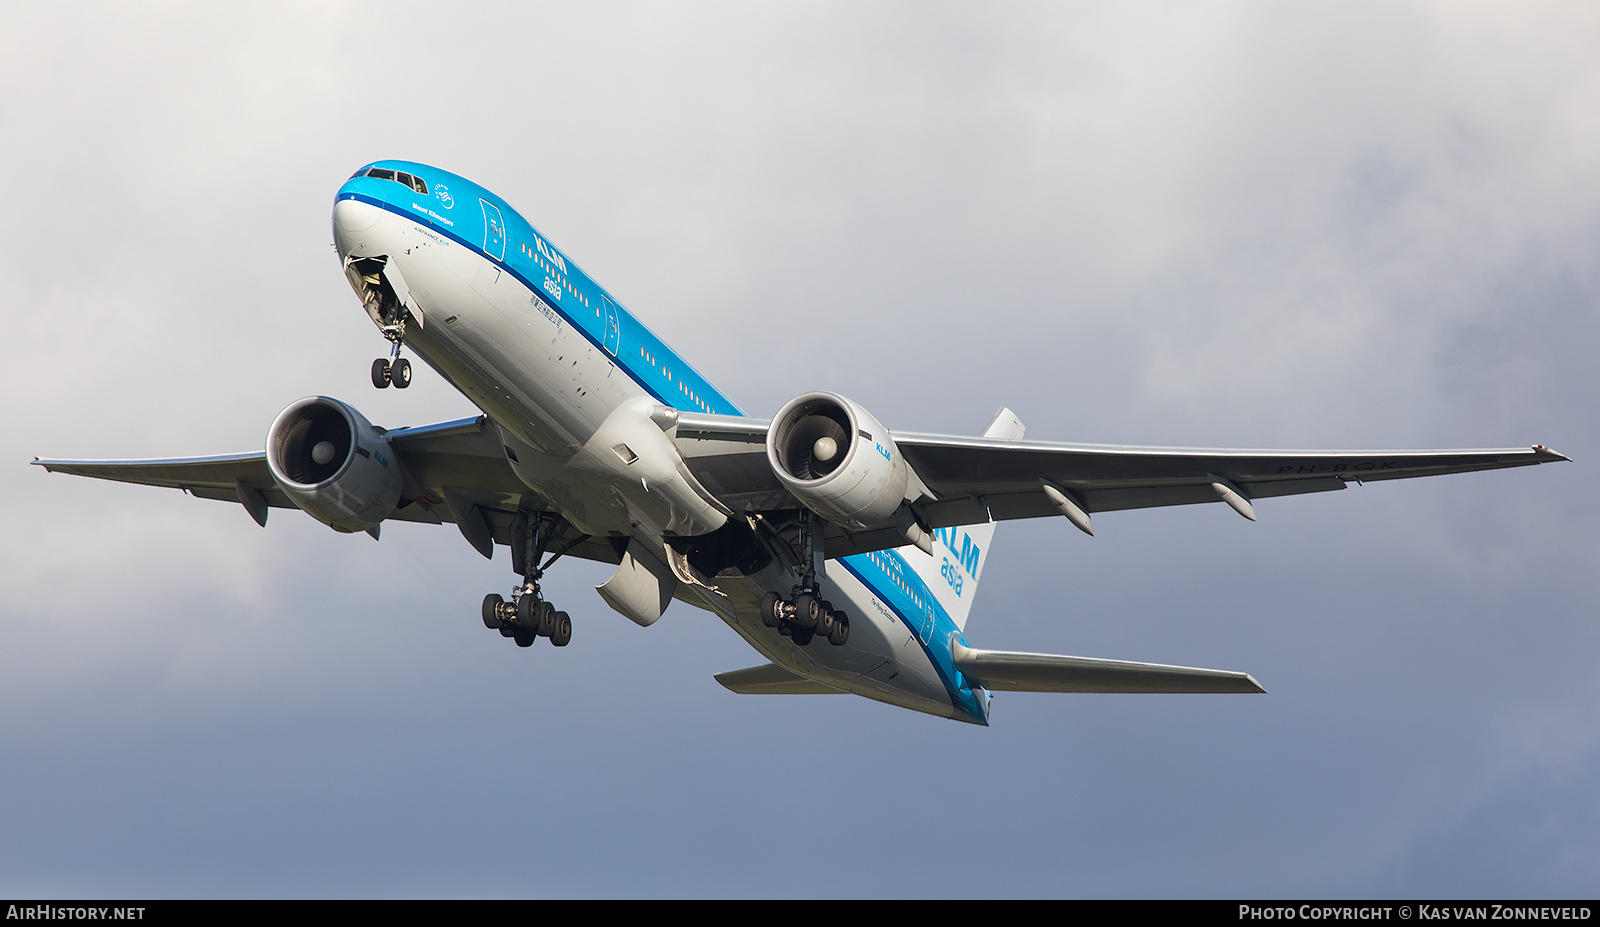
[382, 173]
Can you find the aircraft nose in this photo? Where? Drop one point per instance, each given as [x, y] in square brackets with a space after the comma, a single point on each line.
[353, 216]
[352, 224]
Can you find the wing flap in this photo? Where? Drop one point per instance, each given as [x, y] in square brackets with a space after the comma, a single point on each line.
[1005, 671]
[1005, 506]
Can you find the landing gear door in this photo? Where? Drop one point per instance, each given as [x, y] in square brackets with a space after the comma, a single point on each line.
[402, 293]
[494, 231]
[613, 333]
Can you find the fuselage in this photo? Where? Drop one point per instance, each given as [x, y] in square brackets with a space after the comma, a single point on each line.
[550, 357]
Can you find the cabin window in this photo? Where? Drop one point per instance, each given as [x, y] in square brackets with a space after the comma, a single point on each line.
[381, 173]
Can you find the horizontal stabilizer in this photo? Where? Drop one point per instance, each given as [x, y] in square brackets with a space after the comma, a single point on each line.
[772, 679]
[1001, 671]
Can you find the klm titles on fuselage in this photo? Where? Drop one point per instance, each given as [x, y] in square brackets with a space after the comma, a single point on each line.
[550, 254]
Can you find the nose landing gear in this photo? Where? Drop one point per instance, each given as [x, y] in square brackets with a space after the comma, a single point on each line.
[395, 369]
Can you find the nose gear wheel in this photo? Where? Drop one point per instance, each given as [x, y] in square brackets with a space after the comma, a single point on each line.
[395, 370]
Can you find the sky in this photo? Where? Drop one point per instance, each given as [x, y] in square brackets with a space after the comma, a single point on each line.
[1323, 225]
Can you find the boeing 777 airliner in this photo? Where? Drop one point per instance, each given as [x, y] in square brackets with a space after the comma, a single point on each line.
[846, 554]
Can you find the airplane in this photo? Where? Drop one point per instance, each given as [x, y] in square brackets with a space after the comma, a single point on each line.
[846, 554]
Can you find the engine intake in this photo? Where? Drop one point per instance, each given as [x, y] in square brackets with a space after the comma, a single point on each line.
[333, 464]
[837, 460]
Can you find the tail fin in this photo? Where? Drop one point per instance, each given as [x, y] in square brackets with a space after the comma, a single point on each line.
[958, 553]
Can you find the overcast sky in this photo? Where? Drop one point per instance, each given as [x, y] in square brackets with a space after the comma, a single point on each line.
[1258, 225]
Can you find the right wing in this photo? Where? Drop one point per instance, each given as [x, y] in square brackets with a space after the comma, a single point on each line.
[448, 468]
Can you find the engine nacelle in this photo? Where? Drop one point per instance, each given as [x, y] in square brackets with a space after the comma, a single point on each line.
[838, 460]
[329, 459]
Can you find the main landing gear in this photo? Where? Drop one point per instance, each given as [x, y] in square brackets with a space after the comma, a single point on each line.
[807, 615]
[394, 369]
[528, 617]
[804, 617]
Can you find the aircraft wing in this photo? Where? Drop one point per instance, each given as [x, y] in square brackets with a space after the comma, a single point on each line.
[462, 459]
[1008, 476]
[971, 480]
[975, 480]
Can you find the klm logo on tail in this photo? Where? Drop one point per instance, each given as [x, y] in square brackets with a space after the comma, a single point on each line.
[967, 553]
[964, 567]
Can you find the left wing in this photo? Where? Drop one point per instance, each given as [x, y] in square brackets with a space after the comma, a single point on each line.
[1009, 476]
[976, 480]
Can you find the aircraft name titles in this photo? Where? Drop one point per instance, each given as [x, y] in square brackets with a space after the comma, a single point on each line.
[432, 215]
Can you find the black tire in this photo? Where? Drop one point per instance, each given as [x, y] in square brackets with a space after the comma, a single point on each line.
[491, 610]
[508, 630]
[825, 618]
[380, 373]
[805, 611]
[802, 636]
[528, 612]
[525, 638]
[769, 609]
[841, 629]
[545, 615]
[563, 632]
[400, 373]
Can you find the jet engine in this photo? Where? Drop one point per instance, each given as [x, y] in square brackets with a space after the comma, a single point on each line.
[334, 464]
[838, 460]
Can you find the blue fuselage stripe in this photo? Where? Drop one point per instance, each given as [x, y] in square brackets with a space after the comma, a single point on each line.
[874, 571]
[646, 359]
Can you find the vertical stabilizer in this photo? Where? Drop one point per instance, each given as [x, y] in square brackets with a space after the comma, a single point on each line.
[959, 553]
